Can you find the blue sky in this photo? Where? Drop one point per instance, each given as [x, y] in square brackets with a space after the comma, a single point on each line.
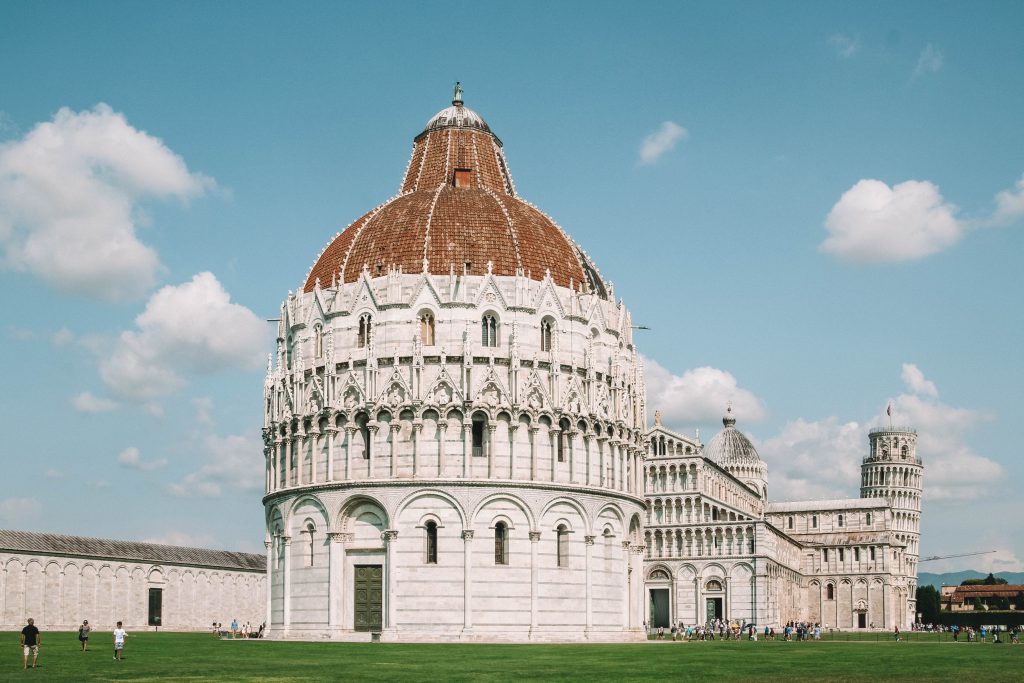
[802, 200]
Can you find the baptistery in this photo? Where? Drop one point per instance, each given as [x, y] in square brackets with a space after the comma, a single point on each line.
[454, 421]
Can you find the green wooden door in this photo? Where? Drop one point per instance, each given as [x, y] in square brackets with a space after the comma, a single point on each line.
[368, 597]
[712, 611]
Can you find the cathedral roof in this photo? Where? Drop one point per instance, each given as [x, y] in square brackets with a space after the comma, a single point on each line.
[457, 210]
[730, 446]
[105, 548]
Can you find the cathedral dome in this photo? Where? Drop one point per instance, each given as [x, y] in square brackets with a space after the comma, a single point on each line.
[730, 446]
[457, 211]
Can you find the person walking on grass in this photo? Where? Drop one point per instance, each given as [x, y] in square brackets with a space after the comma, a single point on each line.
[83, 634]
[119, 636]
[896, 633]
[30, 642]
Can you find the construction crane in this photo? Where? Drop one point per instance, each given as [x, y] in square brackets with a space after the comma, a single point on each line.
[946, 557]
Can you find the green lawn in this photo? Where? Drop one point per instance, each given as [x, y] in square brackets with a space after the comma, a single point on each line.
[196, 657]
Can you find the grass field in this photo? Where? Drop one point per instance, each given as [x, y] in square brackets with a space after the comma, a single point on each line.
[197, 657]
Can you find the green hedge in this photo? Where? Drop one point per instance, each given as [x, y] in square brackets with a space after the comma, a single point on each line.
[977, 619]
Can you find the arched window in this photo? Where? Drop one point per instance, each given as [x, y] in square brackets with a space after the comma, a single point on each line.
[871, 553]
[427, 328]
[288, 353]
[364, 432]
[431, 542]
[830, 592]
[311, 530]
[856, 554]
[546, 333]
[501, 543]
[840, 520]
[563, 428]
[318, 341]
[824, 555]
[479, 423]
[790, 522]
[868, 518]
[365, 326]
[562, 541]
[489, 331]
[842, 555]
[814, 521]
[904, 451]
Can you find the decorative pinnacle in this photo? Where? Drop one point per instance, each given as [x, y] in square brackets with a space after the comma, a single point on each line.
[457, 95]
[729, 420]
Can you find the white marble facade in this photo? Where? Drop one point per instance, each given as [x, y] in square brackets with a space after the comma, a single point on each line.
[370, 438]
[41, 579]
[716, 547]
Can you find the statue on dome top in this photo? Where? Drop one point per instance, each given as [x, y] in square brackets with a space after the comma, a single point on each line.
[457, 95]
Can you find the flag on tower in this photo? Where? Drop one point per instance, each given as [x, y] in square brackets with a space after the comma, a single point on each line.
[888, 410]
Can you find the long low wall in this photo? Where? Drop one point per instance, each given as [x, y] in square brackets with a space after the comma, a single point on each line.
[58, 592]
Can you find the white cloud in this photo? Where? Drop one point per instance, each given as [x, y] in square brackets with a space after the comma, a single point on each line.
[204, 410]
[1009, 205]
[929, 61]
[188, 328]
[182, 538]
[86, 402]
[20, 334]
[53, 473]
[916, 381]
[875, 223]
[844, 45]
[63, 337]
[661, 141]
[698, 395]
[231, 461]
[20, 511]
[954, 471]
[69, 202]
[131, 458]
[814, 459]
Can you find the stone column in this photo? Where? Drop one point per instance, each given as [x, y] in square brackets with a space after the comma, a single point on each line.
[396, 428]
[278, 456]
[489, 447]
[513, 429]
[349, 433]
[390, 536]
[314, 452]
[467, 578]
[335, 560]
[533, 451]
[417, 427]
[698, 603]
[586, 458]
[467, 447]
[534, 571]
[622, 464]
[727, 607]
[287, 583]
[588, 542]
[269, 545]
[570, 453]
[556, 434]
[331, 432]
[300, 445]
[627, 578]
[289, 478]
[638, 589]
[600, 461]
[371, 447]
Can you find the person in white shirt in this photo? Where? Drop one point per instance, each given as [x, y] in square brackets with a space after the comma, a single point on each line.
[119, 636]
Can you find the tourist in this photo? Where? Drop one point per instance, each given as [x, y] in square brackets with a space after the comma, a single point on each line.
[896, 633]
[83, 634]
[30, 642]
[234, 628]
[984, 633]
[119, 636]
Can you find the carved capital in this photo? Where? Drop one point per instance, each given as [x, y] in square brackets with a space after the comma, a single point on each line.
[467, 535]
[589, 540]
[534, 536]
[390, 535]
[267, 544]
[287, 540]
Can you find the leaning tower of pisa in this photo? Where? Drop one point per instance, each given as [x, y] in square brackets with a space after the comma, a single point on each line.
[893, 471]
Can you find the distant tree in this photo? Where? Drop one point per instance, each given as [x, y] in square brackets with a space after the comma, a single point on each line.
[978, 606]
[928, 604]
[972, 582]
[991, 580]
[1019, 602]
[1003, 603]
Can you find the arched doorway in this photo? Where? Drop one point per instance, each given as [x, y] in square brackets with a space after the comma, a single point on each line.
[659, 596]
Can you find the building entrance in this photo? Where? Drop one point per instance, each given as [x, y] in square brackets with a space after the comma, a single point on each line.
[714, 609]
[367, 597]
[862, 620]
[659, 608]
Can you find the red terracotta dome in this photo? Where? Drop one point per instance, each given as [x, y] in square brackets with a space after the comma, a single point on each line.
[457, 210]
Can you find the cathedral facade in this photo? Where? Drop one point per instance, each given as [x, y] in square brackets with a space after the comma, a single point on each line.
[716, 548]
[456, 447]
